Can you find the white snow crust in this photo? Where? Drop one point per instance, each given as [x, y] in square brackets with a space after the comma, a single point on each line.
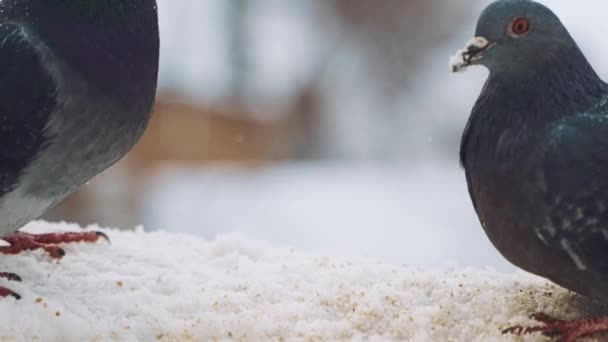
[170, 287]
[368, 210]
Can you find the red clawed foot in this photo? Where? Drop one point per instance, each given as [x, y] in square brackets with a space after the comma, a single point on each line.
[4, 292]
[20, 242]
[10, 276]
[569, 331]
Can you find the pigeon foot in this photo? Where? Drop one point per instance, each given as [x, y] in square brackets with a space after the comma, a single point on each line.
[20, 242]
[10, 276]
[4, 292]
[569, 331]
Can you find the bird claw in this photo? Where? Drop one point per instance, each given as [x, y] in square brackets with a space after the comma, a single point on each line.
[544, 318]
[569, 331]
[4, 293]
[521, 330]
[20, 242]
[103, 236]
[10, 276]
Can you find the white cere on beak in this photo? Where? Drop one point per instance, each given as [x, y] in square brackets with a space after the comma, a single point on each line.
[463, 58]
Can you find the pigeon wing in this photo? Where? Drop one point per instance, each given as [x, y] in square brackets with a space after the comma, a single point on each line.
[27, 99]
[574, 181]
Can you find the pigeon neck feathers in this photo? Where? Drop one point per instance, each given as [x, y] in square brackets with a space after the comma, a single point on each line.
[514, 108]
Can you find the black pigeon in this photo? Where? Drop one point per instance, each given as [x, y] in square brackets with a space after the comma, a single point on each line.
[535, 152]
[77, 85]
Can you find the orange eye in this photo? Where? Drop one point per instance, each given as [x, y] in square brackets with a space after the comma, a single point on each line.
[520, 26]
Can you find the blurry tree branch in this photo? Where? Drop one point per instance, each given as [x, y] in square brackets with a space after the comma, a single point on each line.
[236, 12]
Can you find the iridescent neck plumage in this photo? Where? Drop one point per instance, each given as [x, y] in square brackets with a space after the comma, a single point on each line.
[522, 105]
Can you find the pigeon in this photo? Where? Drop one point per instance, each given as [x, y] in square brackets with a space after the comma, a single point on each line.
[535, 154]
[77, 86]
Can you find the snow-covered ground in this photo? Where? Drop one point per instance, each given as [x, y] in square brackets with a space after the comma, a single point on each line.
[419, 214]
[172, 287]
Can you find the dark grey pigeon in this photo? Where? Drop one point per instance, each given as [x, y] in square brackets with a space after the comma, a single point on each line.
[77, 86]
[535, 152]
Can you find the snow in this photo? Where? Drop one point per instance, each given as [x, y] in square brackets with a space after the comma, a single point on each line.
[393, 211]
[168, 287]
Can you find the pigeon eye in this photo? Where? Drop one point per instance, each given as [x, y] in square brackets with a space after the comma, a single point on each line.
[519, 27]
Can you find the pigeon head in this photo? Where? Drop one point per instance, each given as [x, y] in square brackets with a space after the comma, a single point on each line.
[516, 36]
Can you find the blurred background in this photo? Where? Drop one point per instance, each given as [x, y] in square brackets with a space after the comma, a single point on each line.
[329, 125]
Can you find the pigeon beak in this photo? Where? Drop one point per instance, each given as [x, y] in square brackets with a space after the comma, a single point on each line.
[473, 53]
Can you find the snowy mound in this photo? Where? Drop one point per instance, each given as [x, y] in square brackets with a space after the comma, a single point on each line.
[161, 286]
